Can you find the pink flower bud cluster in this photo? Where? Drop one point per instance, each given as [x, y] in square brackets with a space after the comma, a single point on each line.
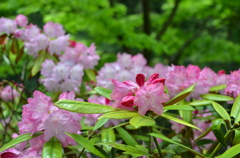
[40, 115]
[9, 93]
[14, 153]
[146, 96]
[91, 119]
[125, 68]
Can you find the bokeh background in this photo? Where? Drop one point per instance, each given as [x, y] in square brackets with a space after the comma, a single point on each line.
[203, 33]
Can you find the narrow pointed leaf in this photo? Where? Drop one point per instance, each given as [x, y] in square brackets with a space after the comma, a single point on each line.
[52, 149]
[83, 107]
[173, 142]
[104, 92]
[19, 139]
[19, 55]
[200, 102]
[179, 107]
[231, 152]
[15, 46]
[91, 74]
[122, 124]
[217, 130]
[186, 115]
[108, 136]
[235, 110]
[126, 148]
[204, 133]
[179, 121]
[216, 97]
[119, 114]
[127, 138]
[217, 88]
[221, 111]
[182, 95]
[86, 144]
[37, 65]
[236, 139]
[100, 123]
[139, 121]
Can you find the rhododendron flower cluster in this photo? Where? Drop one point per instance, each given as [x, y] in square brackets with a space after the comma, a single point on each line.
[146, 96]
[41, 115]
[67, 74]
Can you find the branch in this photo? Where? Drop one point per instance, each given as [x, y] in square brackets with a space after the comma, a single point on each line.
[169, 20]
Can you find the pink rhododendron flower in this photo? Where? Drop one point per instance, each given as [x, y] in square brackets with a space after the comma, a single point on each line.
[41, 115]
[21, 20]
[233, 88]
[8, 93]
[145, 95]
[7, 26]
[10, 153]
[53, 29]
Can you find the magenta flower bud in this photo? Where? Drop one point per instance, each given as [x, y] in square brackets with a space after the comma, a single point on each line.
[152, 78]
[140, 79]
[221, 72]
[128, 101]
[21, 20]
[159, 80]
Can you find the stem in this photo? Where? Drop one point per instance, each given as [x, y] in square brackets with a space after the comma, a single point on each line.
[81, 153]
[158, 147]
[226, 137]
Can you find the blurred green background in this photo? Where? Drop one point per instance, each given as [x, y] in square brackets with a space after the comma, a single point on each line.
[204, 33]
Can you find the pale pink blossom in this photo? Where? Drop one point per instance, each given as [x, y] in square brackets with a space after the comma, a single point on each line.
[21, 20]
[8, 93]
[58, 45]
[7, 26]
[47, 68]
[53, 29]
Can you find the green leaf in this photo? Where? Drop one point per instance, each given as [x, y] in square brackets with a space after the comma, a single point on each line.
[126, 148]
[173, 142]
[186, 115]
[122, 124]
[179, 121]
[182, 95]
[104, 92]
[86, 144]
[200, 103]
[83, 107]
[108, 136]
[235, 110]
[119, 114]
[179, 107]
[217, 130]
[236, 139]
[37, 65]
[127, 138]
[204, 133]
[217, 88]
[15, 46]
[91, 74]
[203, 142]
[139, 121]
[52, 149]
[221, 111]
[19, 55]
[100, 123]
[216, 97]
[231, 152]
[20, 139]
